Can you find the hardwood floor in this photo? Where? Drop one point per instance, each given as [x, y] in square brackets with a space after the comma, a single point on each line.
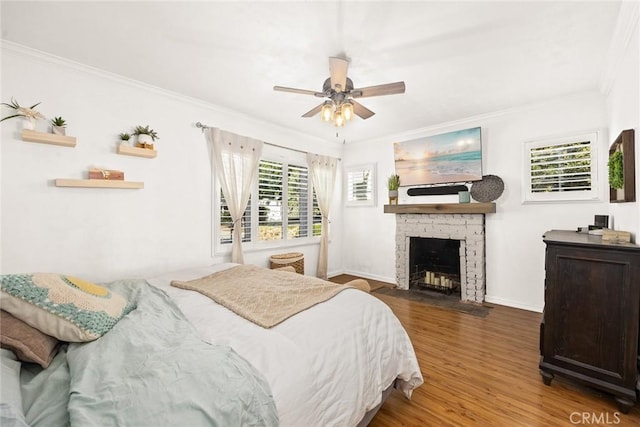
[484, 372]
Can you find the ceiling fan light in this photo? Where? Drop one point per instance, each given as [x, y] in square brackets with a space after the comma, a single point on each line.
[338, 119]
[326, 113]
[347, 110]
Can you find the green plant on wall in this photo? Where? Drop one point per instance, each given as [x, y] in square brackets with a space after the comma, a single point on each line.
[616, 177]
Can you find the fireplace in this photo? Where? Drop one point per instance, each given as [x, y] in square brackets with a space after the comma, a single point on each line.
[434, 264]
[465, 228]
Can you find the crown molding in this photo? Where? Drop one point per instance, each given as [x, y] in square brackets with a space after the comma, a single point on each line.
[9, 46]
[626, 26]
[472, 120]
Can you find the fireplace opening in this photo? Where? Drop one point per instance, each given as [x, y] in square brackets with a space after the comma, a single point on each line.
[434, 264]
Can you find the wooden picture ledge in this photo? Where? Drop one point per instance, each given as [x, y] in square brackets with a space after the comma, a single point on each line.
[442, 208]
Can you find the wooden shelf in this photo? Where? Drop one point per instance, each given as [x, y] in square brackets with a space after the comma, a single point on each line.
[442, 208]
[127, 150]
[48, 138]
[98, 183]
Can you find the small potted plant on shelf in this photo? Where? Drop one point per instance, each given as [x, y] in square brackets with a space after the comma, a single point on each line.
[393, 183]
[124, 137]
[145, 136]
[58, 126]
[28, 114]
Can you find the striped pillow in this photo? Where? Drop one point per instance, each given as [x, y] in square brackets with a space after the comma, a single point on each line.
[65, 307]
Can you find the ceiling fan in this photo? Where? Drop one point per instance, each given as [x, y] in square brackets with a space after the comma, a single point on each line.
[340, 105]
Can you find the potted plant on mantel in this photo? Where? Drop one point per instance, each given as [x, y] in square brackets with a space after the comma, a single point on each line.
[393, 183]
[58, 126]
[145, 136]
[28, 114]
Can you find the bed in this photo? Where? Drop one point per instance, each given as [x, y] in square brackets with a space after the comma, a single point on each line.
[177, 356]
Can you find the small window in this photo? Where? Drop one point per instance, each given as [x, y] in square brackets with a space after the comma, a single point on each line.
[561, 169]
[360, 185]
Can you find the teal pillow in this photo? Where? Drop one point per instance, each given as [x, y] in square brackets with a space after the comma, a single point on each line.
[64, 307]
[11, 414]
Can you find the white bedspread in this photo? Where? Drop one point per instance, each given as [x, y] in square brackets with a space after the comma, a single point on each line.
[326, 366]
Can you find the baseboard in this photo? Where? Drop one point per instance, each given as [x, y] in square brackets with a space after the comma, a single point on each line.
[366, 276]
[513, 304]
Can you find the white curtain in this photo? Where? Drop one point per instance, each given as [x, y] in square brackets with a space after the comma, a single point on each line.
[323, 176]
[235, 160]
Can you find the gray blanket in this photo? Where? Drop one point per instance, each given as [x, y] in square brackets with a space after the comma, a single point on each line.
[151, 369]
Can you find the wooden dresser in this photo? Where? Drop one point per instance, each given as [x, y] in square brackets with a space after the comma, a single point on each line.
[589, 329]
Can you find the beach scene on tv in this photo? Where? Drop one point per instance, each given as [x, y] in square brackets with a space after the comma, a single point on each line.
[445, 158]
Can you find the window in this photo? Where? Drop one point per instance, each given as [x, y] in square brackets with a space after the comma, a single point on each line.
[360, 185]
[561, 169]
[286, 208]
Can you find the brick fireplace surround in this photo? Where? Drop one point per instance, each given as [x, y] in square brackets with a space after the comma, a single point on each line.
[464, 222]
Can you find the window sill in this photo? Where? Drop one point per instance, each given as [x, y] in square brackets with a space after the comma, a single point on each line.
[268, 245]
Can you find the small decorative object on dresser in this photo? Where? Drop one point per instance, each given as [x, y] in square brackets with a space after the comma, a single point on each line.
[58, 126]
[393, 183]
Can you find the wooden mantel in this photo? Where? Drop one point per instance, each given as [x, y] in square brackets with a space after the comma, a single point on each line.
[442, 208]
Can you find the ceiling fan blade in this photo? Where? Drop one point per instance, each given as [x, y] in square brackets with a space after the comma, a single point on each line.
[300, 91]
[379, 90]
[338, 70]
[313, 111]
[360, 110]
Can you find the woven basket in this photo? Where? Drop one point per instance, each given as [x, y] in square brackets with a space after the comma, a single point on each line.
[294, 259]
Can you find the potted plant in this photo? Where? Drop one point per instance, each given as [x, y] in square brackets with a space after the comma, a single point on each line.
[616, 173]
[124, 137]
[28, 114]
[58, 125]
[145, 136]
[393, 183]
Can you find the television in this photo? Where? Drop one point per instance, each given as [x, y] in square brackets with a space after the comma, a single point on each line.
[451, 157]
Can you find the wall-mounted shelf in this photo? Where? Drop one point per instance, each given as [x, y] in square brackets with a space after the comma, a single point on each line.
[48, 138]
[442, 208]
[98, 183]
[624, 143]
[127, 150]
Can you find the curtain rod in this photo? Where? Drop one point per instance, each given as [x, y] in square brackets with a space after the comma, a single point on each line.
[203, 127]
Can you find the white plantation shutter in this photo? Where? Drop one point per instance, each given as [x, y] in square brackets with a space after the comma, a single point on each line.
[360, 185]
[282, 207]
[561, 169]
[226, 223]
[316, 216]
[297, 202]
[270, 190]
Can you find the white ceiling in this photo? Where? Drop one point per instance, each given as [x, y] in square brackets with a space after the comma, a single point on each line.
[458, 59]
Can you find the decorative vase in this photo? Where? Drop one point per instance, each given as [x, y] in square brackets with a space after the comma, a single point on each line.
[464, 197]
[59, 130]
[28, 123]
[144, 139]
[393, 197]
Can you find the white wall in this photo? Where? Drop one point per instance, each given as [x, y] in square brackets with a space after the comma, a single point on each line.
[103, 234]
[623, 108]
[515, 251]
